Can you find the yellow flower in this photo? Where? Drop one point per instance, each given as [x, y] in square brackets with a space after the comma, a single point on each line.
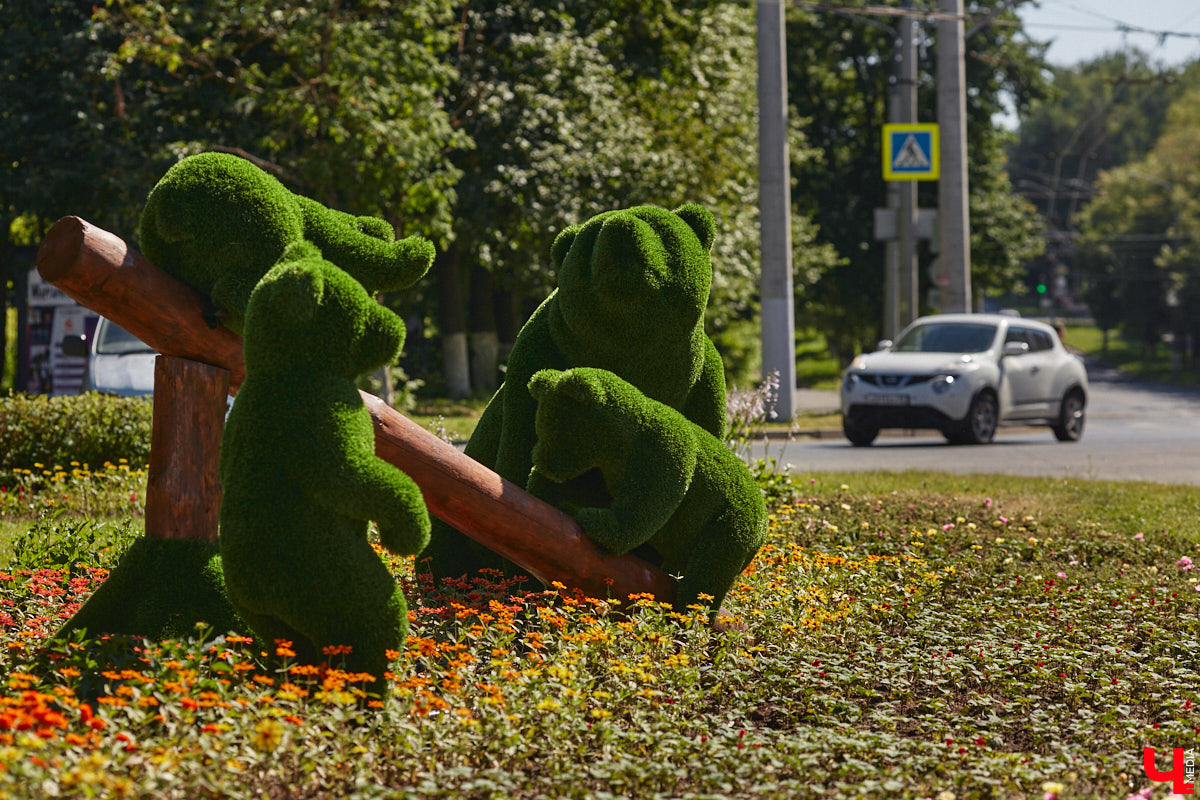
[268, 734]
[548, 705]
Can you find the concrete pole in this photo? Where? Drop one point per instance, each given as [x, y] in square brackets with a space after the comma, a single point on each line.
[891, 250]
[953, 215]
[775, 209]
[909, 284]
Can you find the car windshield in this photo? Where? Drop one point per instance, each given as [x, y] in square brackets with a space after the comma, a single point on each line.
[116, 341]
[947, 337]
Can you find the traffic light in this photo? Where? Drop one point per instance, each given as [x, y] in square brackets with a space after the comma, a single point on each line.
[1041, 285]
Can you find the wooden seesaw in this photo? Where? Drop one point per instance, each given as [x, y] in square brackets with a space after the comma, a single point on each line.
[200, 366]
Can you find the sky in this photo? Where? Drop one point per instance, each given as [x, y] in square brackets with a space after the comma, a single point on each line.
[1169, 30]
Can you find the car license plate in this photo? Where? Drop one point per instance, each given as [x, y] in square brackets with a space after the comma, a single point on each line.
[888, 399]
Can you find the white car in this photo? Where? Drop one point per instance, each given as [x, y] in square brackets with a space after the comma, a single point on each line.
[118, 362]
[965, 374]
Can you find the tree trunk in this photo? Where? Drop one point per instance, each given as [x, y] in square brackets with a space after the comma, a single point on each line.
[507, 321]
[455, 361]
[485, 345]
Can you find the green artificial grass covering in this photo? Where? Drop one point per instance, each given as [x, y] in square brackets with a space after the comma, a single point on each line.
[218, 223]
[300, 477]
[160, 589]
[673, 485]
[632, 288]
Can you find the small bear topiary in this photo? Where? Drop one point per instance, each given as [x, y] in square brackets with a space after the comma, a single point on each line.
[299, 475]
[674, 486]
[217, 222]
[632, 288]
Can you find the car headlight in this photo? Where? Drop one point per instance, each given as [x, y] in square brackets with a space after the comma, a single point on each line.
[943, 383]
[850, 381]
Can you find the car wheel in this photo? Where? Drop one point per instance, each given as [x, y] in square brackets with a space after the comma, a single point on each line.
[979, 426]
[860, 435]
[1069, 426]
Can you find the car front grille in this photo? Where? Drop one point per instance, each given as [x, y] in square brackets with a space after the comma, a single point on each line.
[890, 381]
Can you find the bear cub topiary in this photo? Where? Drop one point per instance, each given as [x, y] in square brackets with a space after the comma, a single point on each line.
[673, 485]
[217, 222]
[299, 474]
[632, 288]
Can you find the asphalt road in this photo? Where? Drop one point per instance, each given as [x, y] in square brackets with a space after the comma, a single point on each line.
[1134, 431]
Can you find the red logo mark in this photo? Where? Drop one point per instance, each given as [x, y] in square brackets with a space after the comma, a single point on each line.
[1183, 769]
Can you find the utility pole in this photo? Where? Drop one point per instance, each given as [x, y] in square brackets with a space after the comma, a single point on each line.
[775, 209]
[954, 218]
[909, 282]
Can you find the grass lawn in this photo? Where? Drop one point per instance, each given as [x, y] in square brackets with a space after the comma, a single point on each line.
[453, 419]
[903, 635]
[1128, 356]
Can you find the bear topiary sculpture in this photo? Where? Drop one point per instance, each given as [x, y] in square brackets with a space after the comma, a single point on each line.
[674, 486]
[632, 288]
[217, 222]
[299, 474]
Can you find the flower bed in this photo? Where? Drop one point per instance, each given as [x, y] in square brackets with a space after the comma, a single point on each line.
[903, 643]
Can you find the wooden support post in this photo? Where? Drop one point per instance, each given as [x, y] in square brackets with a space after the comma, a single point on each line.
[183, 490]
[99, 270]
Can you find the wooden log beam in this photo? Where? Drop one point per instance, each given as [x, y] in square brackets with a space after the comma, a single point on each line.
[183, 486]
[99, 270]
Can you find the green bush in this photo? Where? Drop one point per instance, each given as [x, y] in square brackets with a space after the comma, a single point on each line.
[73, 430]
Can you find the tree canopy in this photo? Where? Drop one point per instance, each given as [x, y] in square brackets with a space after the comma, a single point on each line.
[839, 76]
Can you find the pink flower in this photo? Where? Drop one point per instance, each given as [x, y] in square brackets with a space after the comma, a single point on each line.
[987, 502]
[1061, 574]
[1184, 564]
[1139, 536]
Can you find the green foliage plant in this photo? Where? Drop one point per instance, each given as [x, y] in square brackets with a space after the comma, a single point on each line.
[85, 430]
[632, 288]
[218, 223]
[300, 478]
[674, 486]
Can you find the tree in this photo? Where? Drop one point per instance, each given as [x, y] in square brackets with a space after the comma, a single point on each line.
[1098, 115]
[1141, 233]
[838, 82]
[578, 108]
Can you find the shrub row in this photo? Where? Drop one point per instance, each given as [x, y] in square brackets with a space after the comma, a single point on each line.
[86, 430]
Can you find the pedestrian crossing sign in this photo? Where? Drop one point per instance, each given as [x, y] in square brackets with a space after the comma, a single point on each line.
[910, 152]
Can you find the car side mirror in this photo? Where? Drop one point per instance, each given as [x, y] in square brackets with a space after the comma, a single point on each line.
[75, 346]
[883, 344]
[1016, 348]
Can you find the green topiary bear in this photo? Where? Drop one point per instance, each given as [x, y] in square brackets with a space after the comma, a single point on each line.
[674, 486]
[299, 474]
[218, 223]
[632, 288]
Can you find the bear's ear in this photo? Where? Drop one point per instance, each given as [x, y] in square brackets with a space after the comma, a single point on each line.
[543, 381]
[700, 220]
[562, 244]
[293, 292]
